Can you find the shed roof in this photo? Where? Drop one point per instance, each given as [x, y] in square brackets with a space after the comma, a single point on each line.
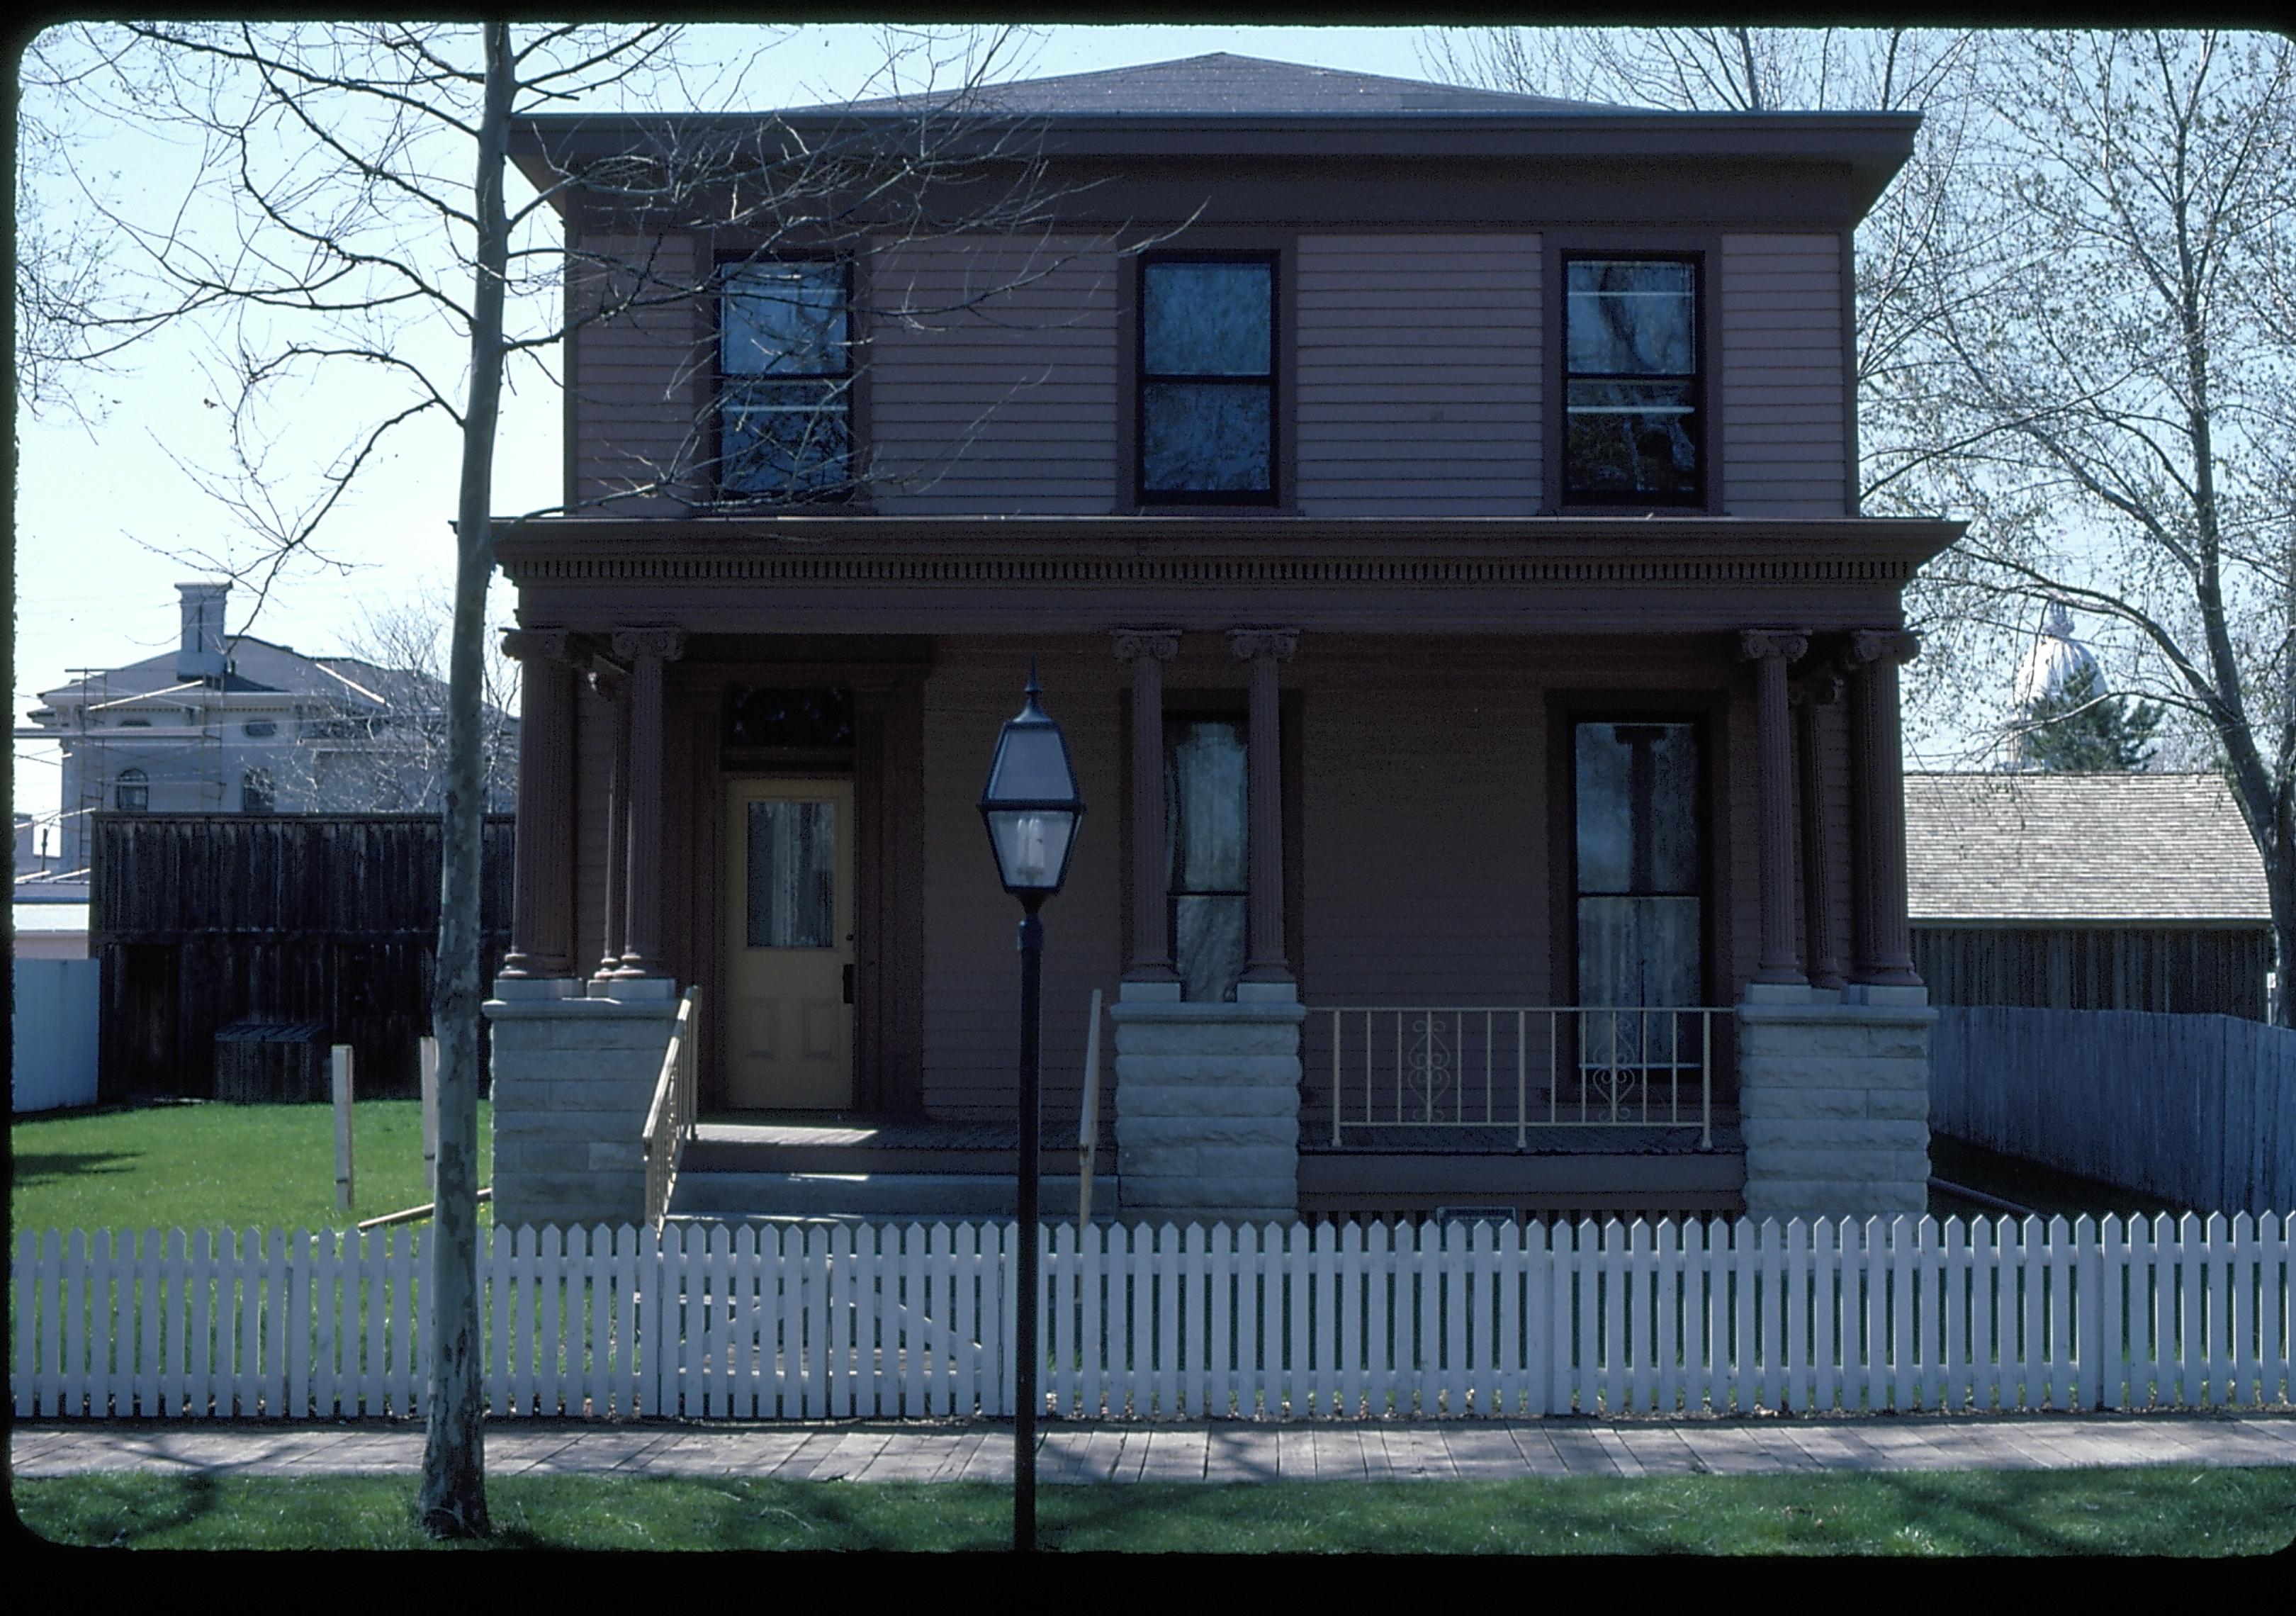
[2101, 849]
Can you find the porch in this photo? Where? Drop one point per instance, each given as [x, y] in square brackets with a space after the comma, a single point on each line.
[1554, 805]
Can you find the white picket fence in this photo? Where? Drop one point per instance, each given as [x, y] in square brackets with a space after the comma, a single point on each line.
[1277, 1323]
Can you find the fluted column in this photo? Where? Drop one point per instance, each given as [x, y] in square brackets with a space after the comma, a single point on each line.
[614, 690]
[1822, 947]
[542, 880]
[1147, 650]
[1770, 650]
[1884, 942]
[645, 650]
[1264, 648]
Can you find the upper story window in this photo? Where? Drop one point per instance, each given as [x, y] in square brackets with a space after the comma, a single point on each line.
[1207, 378]
[1631, 432]
[131, 792]
[785, 366]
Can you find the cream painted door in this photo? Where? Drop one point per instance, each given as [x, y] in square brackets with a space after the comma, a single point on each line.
[789, 944]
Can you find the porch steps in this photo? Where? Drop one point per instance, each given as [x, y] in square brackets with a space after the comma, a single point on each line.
[863, 1167]
[907, 1195]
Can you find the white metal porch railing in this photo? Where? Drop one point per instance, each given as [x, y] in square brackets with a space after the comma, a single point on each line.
[1521, 1067]
[669, 1119]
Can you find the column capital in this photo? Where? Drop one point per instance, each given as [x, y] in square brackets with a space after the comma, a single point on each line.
[1249, 645]
[1879, 645]
[1760, 645]
[666, 643]
[539, 645]
[1161, 643]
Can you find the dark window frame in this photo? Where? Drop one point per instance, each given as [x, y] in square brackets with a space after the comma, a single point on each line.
[844, 492]
[1709, 711]
[1240, 717]
[1278, 494]
[1703, 251]
[1202, 702]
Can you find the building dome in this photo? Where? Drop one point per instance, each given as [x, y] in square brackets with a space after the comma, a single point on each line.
[2055, 658]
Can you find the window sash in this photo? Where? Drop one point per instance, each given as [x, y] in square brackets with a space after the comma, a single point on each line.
[1639, 837]
[1205, 399]
[1632, 428]
[785, 368]
[1206, 850]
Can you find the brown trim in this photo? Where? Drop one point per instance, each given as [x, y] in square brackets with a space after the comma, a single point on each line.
[1852, 472]
[1703, 248]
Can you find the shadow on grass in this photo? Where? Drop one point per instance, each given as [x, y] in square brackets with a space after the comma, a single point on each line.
[44, 1167]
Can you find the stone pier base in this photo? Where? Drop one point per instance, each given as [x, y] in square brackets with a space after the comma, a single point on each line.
[573, 1077]
[1208, 1104]
[1834, 1100]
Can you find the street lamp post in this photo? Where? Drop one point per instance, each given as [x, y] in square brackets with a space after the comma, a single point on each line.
[1030, 807]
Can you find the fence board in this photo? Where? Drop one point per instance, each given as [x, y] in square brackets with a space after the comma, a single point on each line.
[2200, 1110]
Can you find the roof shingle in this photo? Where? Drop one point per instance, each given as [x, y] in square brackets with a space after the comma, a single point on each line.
[1226, 86]
[2096, 848]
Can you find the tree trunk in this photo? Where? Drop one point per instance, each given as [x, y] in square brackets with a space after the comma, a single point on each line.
[453, 1496]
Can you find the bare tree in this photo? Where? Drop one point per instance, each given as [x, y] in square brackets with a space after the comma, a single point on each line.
[365, 173]
[397, 763]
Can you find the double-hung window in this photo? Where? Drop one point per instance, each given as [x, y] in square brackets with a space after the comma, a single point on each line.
[1207, 381]
[785, 366]
[1207, 846]
[1631, 427]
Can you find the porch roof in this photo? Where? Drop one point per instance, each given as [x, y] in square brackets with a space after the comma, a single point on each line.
[908, 575]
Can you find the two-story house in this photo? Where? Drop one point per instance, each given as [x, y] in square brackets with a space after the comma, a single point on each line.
[1433, 514]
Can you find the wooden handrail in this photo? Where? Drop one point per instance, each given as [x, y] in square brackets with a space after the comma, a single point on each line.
[669, 1119]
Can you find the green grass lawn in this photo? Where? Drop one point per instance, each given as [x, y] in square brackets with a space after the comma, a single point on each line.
[207, 1165]
[2180, 1510]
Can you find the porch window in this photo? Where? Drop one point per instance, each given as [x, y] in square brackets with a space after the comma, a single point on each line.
[1641, 864]
[1630, 386]
[1207, 845]
[785, 363]
[1207, 404]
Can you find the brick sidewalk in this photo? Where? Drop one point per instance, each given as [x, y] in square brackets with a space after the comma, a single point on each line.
[1224, 1451]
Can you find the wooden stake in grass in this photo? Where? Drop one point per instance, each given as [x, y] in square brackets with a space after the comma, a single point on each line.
[341, 1055]
[428, 1047]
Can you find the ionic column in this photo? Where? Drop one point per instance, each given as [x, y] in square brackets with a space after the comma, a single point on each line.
[1884, 942]
[1147, 650]
[1770, 650]
[1824, 948]
[542, 887]
[614, 690]
[1264, 648]
[645, 650]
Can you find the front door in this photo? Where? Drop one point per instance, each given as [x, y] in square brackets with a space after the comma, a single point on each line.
[789, 944]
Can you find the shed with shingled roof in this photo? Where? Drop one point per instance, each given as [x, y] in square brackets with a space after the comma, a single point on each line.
[2106, 891]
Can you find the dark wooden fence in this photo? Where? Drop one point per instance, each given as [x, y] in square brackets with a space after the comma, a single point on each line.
[2196, 1108]
[204, 920]
[2181, 971]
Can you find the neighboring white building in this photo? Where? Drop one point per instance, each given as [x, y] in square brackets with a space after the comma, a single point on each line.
[231, 723]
